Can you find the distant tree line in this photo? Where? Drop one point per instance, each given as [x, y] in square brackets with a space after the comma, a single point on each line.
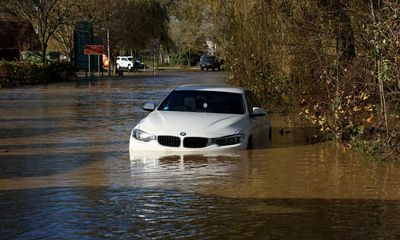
[131, 23]
[334, 62]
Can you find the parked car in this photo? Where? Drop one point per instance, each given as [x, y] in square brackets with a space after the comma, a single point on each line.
[124, 62]
[202, 118]
[138, 64]
[130, 63]
[210, 62]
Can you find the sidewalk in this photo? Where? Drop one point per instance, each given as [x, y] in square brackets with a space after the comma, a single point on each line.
[146, 71]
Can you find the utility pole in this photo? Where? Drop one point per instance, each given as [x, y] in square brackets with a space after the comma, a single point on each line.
[108, 52]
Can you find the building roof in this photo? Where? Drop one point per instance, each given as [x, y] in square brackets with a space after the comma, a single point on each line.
[17, 34]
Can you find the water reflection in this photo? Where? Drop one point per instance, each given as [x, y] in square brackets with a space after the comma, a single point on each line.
[154, 160]
[319, 171]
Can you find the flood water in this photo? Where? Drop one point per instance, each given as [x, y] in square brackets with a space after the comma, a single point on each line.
[65, 173]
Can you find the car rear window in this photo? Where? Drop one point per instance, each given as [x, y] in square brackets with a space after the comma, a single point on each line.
[204, 101]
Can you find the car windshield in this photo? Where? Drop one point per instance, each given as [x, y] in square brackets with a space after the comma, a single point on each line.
[204, 101]
[130, 59]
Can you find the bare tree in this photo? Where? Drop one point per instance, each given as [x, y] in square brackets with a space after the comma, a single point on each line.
[47, 16]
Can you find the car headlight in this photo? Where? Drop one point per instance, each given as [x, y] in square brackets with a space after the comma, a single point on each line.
[142, 135]
[228, 140]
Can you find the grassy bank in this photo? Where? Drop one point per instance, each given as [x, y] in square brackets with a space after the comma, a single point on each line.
[14, 74]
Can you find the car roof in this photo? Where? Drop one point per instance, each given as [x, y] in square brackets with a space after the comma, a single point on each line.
[216, 88]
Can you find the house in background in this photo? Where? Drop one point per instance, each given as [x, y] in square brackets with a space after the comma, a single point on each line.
[165, 58]
[212, 47]
[16, 36]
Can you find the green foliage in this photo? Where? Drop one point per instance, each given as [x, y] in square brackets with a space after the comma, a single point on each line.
[368, 148]
[23, 73]
[379, 148]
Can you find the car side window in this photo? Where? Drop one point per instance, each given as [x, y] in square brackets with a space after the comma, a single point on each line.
[251, 101]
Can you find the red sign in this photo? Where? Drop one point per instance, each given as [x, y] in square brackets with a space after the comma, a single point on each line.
[94, 50]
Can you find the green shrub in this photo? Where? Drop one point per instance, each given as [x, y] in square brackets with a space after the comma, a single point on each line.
[23, 73]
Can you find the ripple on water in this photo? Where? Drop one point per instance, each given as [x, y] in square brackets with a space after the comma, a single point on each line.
[78, 213]
[65, 174]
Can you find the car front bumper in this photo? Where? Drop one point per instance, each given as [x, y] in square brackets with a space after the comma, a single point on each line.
[153, 145]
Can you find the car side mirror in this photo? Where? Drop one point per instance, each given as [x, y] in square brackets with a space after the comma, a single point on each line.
[258, 112]
[149, 106]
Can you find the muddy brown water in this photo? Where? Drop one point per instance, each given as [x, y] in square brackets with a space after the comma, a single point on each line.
[65, 173]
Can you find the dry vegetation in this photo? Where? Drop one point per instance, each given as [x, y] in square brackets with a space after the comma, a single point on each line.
[333, 62]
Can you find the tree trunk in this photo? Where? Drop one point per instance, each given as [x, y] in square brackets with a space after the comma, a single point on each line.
[345, 44]
[44, 50]
[343, 30]
[382, 97]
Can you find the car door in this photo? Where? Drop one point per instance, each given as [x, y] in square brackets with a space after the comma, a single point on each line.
[258, 128]
[123, 62]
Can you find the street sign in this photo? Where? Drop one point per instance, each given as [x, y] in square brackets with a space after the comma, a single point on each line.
[94, 50]
[155, 46]
[83, 35]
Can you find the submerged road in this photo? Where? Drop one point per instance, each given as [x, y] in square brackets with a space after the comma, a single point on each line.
[65, 173]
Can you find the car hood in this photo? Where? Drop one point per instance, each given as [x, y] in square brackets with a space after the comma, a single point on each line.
[192, 123]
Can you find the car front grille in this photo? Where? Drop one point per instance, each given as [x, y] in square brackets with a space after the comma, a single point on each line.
[195, 142]
[169, 141]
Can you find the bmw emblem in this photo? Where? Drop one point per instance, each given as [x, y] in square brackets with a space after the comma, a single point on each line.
[183, 134]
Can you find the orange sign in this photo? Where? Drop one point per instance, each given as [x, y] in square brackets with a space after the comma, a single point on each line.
[93, 50]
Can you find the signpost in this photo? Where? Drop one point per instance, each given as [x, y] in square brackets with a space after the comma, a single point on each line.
[94, 50]
[155, 47]
[85, 44]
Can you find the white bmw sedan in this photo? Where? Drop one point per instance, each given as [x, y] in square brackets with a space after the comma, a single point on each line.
[202, 118]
